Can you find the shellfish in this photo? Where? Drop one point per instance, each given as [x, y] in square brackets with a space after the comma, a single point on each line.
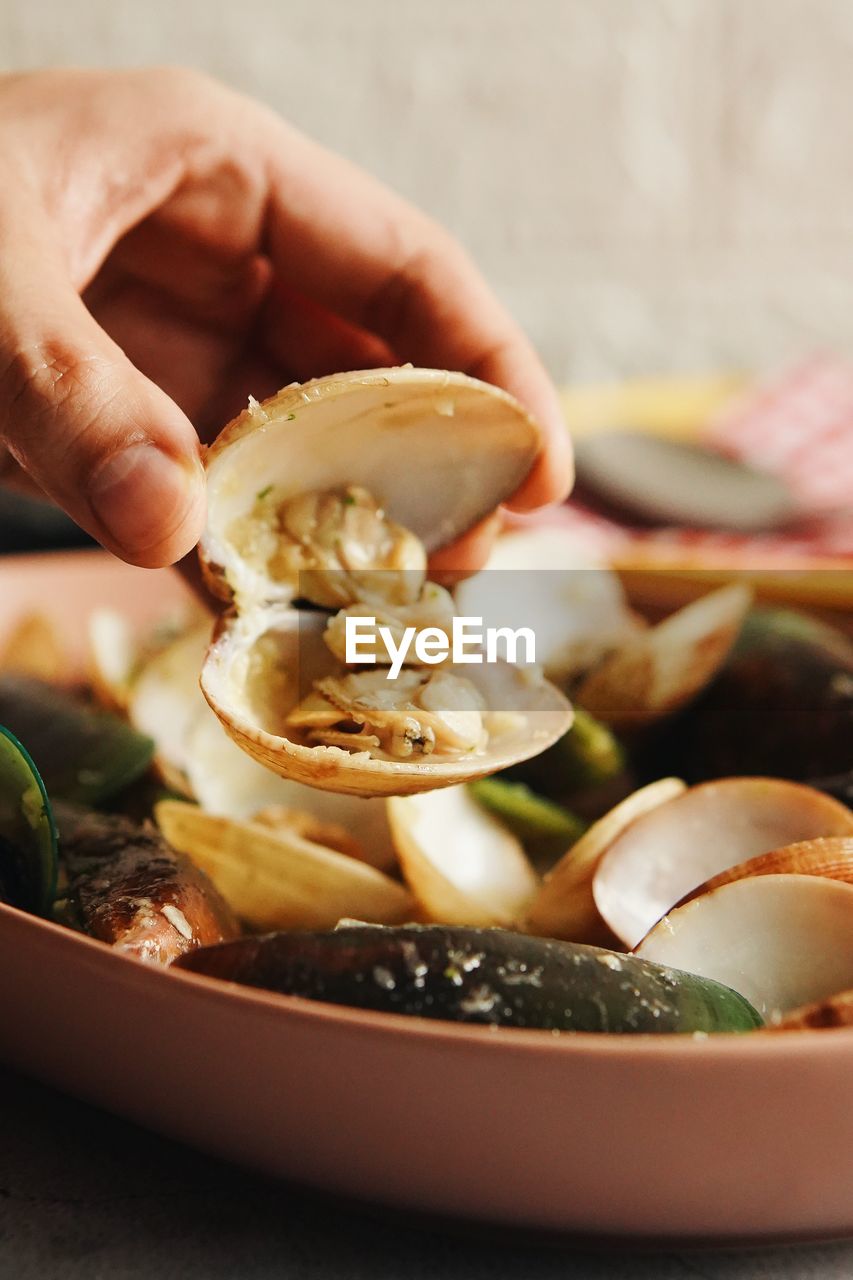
[334, 493]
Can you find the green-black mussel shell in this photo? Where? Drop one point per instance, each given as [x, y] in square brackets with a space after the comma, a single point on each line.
[85, 755]
[479, 975]
[28, 856]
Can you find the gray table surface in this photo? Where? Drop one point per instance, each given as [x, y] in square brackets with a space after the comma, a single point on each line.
[85, 1195]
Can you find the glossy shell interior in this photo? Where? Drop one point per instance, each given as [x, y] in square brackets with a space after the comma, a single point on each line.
[234, 680]
[439, 451]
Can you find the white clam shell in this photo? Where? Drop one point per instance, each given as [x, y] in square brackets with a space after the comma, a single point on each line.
[781, 941]
[460, 862]
[195, 754]
[164, 700]
[439, 451]
[276, 879]
[531, 713]
[564, 907]
[693, 837]
[661, 669]
[541, 578]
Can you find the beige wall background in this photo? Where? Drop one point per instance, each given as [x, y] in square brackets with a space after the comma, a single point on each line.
[651, 185]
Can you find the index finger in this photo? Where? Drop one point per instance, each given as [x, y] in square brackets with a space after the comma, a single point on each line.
[347, 242]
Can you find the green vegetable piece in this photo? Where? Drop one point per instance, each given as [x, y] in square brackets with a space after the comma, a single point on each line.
[84, 755]
[591, 753]
[479, 975]
[530, 817]
[28, 852]
[586, 757]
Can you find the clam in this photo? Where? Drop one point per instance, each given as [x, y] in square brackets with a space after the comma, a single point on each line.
[197, 758]
[118, 655]
[781, 941]
[694, 836]
[333, 494]
[828, 856]
[163, 701]
[540, 577]
[28, 856]
[662, 669]
[112, 653]
[463, 866]
[227, 782]
[565, 907]
[272, 877]
[485, 976]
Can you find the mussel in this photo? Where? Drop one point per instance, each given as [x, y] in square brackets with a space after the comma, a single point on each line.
[84, 754]
[28, 857]
[275, 876]
[478, 975]
[782, 705]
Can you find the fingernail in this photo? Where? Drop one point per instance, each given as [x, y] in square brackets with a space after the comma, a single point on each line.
[141, 496]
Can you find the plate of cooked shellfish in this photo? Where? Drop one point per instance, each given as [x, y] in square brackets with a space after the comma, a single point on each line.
[309, 876]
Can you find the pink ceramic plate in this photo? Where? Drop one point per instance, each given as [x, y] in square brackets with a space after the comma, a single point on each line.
[727, 1138]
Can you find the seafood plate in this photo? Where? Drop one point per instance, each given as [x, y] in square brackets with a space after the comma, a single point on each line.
[632, 938]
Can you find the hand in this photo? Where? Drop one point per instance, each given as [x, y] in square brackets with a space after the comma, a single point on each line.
[169, 247]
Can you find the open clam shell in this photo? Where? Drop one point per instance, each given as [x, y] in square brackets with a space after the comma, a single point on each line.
[438, 450]
[434, 452]
[163, 701]
[565, 907]
[827, 856]
[229, 783]
[112, 653]
[261, 662]
[463, 866]
[196, 757]
[541, 578]
[662, 669]
[781, 941]
[693, 837]
[273, 878]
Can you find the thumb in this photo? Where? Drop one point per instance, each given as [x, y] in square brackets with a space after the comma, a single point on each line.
[99, 438]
